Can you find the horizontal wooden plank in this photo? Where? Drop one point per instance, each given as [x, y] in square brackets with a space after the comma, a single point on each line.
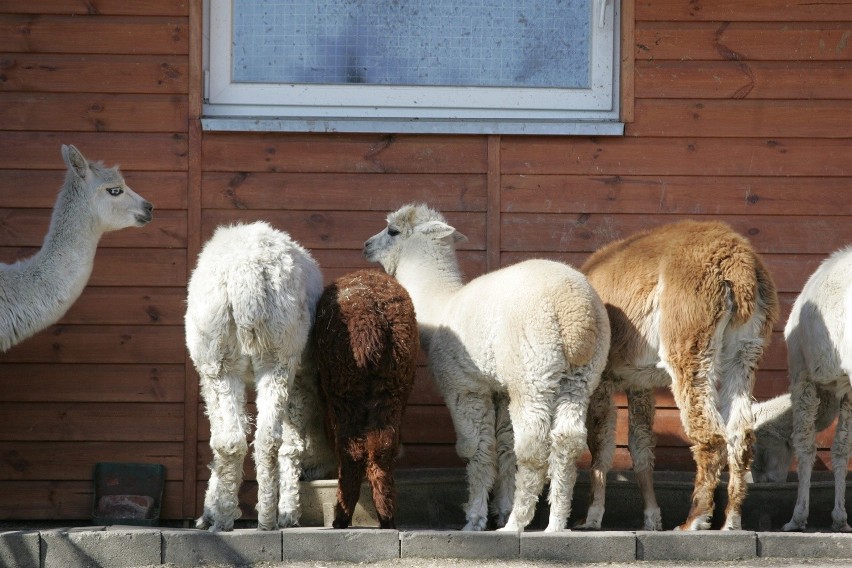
[351, 192]
[587, 232]
[92, 422]
[166, 190]
[99, 7]
[148, 344]
[128, 305]
[134, 151]
[336, 229]
[72, 73]
[125, 266]
[690, 195]
[51, 382]
[772, 80]
[93, 112]
[676, 156]
[738, 41]
[741, 118]
[68, 500]
[754, 10]
[94, 34]
[28, 227]
[343, 153]
[32, 461]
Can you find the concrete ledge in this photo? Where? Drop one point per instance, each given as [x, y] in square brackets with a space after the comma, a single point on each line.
[349, 545]
[242, 546]
[456, 544]
[579, 546]
[696, 545]
[134, 546]
[804, 545]
[99, 548]
[20, 548]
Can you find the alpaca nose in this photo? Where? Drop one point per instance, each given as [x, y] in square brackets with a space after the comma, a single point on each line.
[148, 207]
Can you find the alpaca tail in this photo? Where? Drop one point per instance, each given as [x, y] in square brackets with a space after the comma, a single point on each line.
[751, 286]
[251, 296]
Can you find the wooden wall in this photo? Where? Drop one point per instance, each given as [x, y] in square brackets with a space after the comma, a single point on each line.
[737, 111]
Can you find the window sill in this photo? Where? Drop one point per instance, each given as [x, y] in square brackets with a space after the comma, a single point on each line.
[412, 126]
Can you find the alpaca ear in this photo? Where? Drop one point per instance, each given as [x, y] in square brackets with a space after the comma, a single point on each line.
[439, 230]
[75, 160]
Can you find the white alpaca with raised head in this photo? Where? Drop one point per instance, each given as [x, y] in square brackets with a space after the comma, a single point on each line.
[251, 302]
[527, 342]
[36, 292]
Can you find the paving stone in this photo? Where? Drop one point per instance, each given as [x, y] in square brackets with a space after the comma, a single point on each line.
[342, 545]
[242, 546]
[696, 545]
[19, 549]
[458, 544]
[804, 545]
[609, 546]
[95, 547]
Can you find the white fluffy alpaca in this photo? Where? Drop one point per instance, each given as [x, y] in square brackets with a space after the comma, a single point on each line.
[251, 302]
[35, 292]
[819, 358]
[773, 431]
[535, 331]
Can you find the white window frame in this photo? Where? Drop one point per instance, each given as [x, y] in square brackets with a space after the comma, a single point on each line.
[230, 105]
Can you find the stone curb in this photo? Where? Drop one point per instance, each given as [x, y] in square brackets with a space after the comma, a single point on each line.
[121, 547]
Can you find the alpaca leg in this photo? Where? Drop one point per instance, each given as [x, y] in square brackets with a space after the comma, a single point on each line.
[805, 402]
[641, 443]
[531, 422]
[382, 446]
[600, 423]
[504, 486]
[742, 353]
[349, 477]
[278, 448]
[224, 399]
[702, 422]
[567, 442]
[839, 462]
[473, 418]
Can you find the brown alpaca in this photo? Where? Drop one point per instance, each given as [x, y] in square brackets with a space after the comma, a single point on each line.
[366, 341]
[691, 307]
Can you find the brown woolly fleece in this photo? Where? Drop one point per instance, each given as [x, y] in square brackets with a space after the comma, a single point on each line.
[366, 342]
[692, 306]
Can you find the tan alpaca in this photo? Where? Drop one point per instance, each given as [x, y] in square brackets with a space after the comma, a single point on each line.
[691, 306]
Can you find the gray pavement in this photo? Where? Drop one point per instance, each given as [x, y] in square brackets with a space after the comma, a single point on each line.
[125, 547]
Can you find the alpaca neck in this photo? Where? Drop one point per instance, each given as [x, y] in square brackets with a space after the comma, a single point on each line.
[431, 279]
[58, 272]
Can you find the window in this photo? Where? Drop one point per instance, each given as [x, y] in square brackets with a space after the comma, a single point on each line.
[478, 66]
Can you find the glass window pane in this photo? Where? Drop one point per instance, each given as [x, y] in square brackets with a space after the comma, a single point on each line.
[525, 43]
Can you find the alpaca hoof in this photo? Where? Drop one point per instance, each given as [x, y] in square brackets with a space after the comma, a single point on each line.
[203, 523]
[701, 523]
[475, 525]
[841, 527]
[341, 523]
[287, 520]
[653, 520]
[556, 527]
[586, 525]
[387, 524]
[794, 526]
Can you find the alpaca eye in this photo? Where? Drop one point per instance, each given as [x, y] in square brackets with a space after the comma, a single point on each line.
[393, 232]
[115, 191]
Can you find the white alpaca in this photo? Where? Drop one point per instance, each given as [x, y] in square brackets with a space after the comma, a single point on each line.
[35, 292]
[533, 335]
[819, 359]
[773, 431]
[251, 302]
